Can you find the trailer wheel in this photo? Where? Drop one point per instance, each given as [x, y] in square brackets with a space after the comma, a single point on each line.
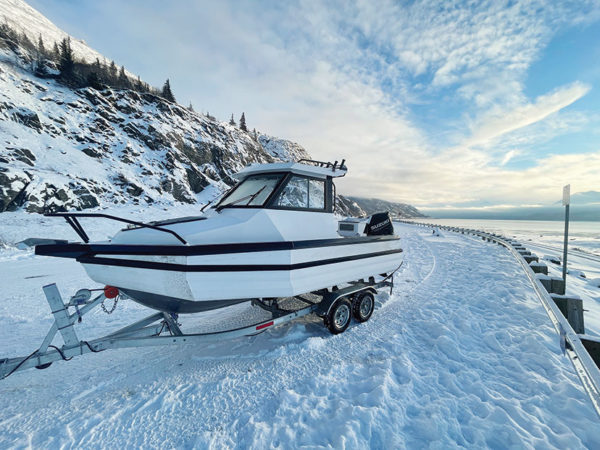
[363, 305]
[339, 316]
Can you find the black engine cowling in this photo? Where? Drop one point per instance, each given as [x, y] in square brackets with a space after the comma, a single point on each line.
[380, 225]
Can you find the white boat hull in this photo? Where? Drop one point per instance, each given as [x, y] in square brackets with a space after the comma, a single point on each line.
[216, 278]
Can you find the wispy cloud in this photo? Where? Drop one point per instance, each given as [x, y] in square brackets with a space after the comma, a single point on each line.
[508, 156]
[500, 121]
[373, 82]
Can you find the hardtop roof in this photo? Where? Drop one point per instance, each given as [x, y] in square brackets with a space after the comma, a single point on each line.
[293, 167]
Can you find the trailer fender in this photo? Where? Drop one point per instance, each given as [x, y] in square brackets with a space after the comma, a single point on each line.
[330, 298]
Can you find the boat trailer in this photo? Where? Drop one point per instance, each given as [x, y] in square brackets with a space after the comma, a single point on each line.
[336, 307]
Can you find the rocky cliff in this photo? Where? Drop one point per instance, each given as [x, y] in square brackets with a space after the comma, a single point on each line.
[373, 205]
[64, 148]
[72, 149]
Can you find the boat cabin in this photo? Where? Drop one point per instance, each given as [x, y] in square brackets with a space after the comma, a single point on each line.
[300, 186]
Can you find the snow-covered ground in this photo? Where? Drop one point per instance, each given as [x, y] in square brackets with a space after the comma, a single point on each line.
[460, 354]
[545, 239]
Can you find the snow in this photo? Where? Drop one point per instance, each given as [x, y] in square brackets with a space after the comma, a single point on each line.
[83, 145]
[545, 239]
[282, 149]
[461, 354]
[25, 19]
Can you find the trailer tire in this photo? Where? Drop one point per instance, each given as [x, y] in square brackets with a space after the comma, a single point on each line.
[339, 316]
[363, 305]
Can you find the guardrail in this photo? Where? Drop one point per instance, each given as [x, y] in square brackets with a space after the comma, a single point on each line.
[572, 343]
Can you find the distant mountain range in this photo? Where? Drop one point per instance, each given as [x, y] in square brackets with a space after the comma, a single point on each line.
[399, 210]
[584, 206]
[589, 198]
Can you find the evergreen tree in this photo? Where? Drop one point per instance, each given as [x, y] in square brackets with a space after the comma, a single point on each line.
[231, 121]
[112, 72]
[93, 80]
[67, 61]
[139, 86]
[255, 135]
[25, 42]
[191, 108]
[123, 79]
[40, 63]
[166, 93]
[243, 123]
[10, 37]
[55, 52]
[41, 50]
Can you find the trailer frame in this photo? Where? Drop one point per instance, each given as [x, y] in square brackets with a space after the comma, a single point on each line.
[147, 331]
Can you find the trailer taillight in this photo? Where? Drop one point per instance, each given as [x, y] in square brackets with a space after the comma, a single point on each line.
[265, 325]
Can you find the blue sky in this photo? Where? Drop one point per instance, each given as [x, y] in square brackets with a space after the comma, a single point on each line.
[439, 104]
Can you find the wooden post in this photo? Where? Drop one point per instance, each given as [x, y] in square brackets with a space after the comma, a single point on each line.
[558, 286]
[530, 258]
[539, 267]
[572, 309]
[544, 279]
[592, 345]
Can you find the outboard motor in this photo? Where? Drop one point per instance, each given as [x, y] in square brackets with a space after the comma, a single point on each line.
[379, 225]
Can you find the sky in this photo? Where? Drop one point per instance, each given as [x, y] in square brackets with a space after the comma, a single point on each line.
[445, 105]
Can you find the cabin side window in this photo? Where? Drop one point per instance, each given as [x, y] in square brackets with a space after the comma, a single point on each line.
[316, 194]
[302, 193]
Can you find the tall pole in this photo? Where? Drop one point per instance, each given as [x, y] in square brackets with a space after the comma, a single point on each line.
[566, 244]
[566, 203]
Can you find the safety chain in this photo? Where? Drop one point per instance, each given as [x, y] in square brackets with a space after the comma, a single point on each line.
[114, 306]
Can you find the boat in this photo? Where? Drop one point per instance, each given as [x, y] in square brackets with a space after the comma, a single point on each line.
[273, 235]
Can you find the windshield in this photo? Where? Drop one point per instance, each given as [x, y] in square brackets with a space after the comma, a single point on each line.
[253, 191]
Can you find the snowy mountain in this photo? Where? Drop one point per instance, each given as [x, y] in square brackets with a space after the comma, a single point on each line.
[24, 19]
[71, 145]
[281, 149]
[373, 205]
[73, 149]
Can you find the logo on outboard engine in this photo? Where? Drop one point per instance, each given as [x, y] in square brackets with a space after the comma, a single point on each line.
[380, 224]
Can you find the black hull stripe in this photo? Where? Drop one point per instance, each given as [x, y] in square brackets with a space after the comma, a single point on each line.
[78, 250]
[227, 268]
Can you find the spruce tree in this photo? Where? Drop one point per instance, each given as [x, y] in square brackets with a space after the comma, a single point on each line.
[139, 86]
[191, 107]
[55, 52]
[243, 123]
[67, 61]
[231, 121]
[166, 93]
[41, 49]
[112, 73]
[93, 80]
[40, 62]
[123, 79]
